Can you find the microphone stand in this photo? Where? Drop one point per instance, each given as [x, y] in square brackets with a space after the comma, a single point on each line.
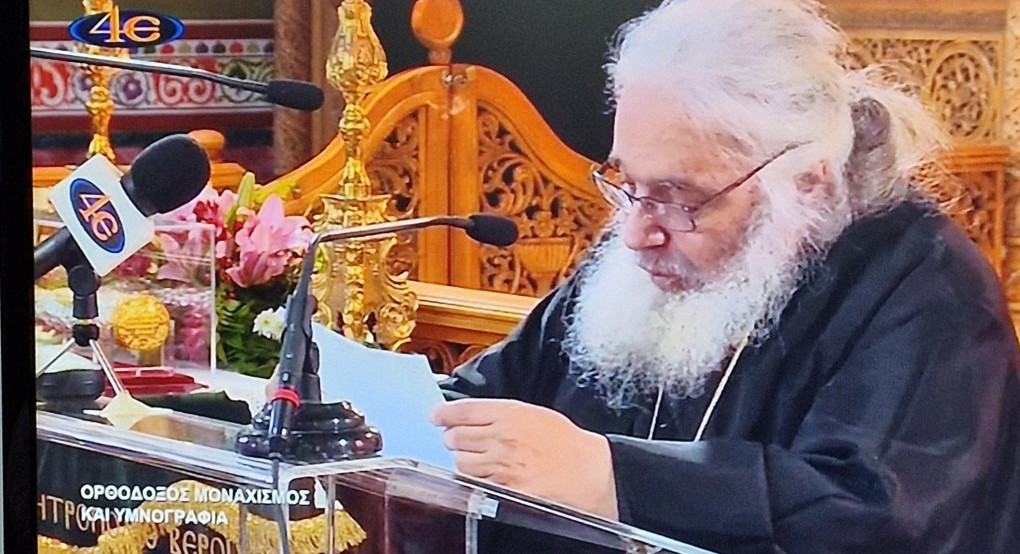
[84, 283]
[296, 424]
[136, 65]
[277, 91]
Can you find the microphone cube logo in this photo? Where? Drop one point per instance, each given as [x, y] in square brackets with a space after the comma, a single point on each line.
[100, 216]
[97, 215]
[126, 29]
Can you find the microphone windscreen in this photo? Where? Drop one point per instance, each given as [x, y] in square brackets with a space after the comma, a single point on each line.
[299, 95]
[168, 174]
[492, 229]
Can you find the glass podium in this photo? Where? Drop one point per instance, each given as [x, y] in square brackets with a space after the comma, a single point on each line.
[173, 484]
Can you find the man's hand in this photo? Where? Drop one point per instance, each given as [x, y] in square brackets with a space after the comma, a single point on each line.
[532, 449]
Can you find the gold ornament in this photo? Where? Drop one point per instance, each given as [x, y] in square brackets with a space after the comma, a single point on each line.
[356, 282]
[141, 323]
[100, 104]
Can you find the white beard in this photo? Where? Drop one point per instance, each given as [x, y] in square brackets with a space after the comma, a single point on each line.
[627, 338]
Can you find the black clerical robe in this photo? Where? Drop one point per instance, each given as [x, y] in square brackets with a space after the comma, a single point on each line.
[882, 415]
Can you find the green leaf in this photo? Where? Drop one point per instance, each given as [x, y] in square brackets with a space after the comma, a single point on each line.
[246, 190]
[234, 342]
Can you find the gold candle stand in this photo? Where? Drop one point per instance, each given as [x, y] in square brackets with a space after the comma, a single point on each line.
[374, 305]
[100, 105]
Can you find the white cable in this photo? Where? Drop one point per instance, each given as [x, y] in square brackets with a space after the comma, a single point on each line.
[655, 414]
[719, 391]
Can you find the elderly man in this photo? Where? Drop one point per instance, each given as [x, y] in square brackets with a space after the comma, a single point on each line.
[779, 344]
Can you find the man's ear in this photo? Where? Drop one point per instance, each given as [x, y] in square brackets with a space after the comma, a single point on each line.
[818, 176]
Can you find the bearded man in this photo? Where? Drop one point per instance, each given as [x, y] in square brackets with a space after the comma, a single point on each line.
[779, 344]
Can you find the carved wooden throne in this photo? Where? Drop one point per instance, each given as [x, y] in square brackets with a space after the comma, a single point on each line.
[453, 138]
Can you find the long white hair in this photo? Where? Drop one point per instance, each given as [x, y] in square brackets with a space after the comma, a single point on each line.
[766, 73]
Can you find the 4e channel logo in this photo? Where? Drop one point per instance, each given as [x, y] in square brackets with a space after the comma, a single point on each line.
[126, 29]
[97, 215]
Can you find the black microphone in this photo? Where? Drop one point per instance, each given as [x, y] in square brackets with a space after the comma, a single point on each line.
[298, 368]
[166, 175]
[491, 229]
[299, 95]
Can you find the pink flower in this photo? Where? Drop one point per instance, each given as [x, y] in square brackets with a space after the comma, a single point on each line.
[197, 209]
[213, 207]
[268, 242]
[193, 344]
[208, 207]
[185, 257]
[224, 246]
[251, 248]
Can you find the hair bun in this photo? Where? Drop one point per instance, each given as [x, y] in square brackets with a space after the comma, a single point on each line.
[871, 124]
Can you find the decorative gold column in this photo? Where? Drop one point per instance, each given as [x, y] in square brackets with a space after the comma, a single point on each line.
[355, 276]
[100, 105]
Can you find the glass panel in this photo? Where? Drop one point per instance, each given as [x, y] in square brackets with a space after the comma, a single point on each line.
[204, 491]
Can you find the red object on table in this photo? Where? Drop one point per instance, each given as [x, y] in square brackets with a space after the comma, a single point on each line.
[152, 381]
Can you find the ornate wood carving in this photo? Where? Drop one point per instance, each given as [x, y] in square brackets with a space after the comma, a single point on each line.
[556, 225]
[470, 351]
[455, 324]
[959, 79]
[442, 355]
[394, 171]
[941, 16]
[971, 200]
[1012, 277]
[1011, 134]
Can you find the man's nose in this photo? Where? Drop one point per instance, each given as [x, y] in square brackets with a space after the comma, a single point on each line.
[641, 232]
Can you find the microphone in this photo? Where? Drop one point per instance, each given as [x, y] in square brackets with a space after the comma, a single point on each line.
[491, 229]
[299, 95]
[298, 367]
[106, 214]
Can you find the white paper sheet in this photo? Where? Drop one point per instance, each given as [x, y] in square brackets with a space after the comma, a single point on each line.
[396, 392]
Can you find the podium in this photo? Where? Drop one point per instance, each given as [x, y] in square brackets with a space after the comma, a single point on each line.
[172, 483]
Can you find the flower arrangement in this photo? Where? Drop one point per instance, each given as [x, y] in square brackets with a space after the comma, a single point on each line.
[258, 255]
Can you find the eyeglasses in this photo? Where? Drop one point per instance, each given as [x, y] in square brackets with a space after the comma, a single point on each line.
[671, 215]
